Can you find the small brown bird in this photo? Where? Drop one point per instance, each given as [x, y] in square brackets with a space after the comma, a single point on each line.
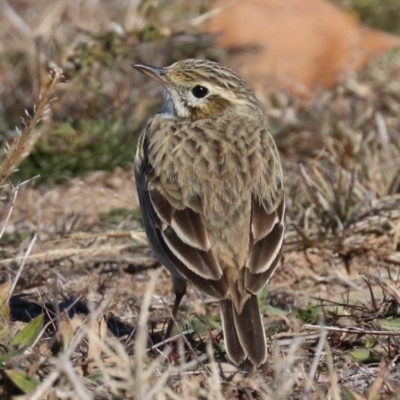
[209, 181]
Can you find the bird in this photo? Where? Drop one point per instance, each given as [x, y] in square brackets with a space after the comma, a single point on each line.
[210, 186]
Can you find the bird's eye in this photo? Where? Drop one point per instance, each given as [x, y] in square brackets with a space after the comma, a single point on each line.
[199, 91]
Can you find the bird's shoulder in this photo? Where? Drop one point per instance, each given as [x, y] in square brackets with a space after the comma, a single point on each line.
[207, 138]
[236, 151]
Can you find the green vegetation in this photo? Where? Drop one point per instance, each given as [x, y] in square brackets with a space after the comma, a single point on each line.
[380, 14]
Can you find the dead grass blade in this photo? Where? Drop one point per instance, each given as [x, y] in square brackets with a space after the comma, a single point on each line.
[315, 363]
[334, 389]
[380, 380]
[10, 209]
[21, 267]
[353, 330]
[141, 336]
[59, 254]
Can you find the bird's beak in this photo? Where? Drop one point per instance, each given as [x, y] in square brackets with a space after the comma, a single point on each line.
[159, 74]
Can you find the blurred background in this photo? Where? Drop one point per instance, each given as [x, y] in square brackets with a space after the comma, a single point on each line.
[290, 52]
[71, 109]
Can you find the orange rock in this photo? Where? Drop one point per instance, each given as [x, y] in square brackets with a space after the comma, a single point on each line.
[300, 45]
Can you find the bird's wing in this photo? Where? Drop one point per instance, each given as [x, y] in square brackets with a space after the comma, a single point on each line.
[267, 225]
[177, 236]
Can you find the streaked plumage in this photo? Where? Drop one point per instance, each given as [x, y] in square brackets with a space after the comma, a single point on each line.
[210, 187]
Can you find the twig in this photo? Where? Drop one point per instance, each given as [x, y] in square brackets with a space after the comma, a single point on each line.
[142, 333]
[352, 330]
[169, 340]
[210, 14]
[80, 391]
[314, 365]
[335, 390]
[3, 228]
[42, 389]
[21, 267]
[58, 254]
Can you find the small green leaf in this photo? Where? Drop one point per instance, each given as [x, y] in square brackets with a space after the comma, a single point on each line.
[27, 336]
[308, 315]
[22, 381]
[274, 326]
[4, 306]
[270, 310]
[7, 356]
[346, 394]
[360, 354]
[262, 296]
[366, 356]
[96, 378]
[202, 325]
[368, 342]
[117, 215]
[5, 332]
[389, 324]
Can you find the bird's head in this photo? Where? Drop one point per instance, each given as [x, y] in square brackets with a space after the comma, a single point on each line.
[201, 89]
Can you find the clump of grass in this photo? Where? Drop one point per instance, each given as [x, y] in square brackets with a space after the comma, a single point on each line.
[347, 144]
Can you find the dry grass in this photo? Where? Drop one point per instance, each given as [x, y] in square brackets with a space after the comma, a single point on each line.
[22, 145]
[83, 306]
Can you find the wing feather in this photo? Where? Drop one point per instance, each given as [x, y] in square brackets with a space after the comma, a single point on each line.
[190, 229]
[201, 262]
[161, 206]
[267, 231]
[262, 222]
[255, 282]
[177, 236]
[264, 252]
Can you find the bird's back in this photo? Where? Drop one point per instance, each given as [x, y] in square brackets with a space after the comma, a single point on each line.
[213, 166]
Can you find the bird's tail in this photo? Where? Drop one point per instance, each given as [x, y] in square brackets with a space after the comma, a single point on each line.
[244, 333]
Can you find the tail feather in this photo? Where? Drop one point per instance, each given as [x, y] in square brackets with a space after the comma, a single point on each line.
[244, 333]
[233, 347]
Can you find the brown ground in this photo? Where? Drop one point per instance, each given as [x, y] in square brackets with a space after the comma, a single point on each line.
[341, 255]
